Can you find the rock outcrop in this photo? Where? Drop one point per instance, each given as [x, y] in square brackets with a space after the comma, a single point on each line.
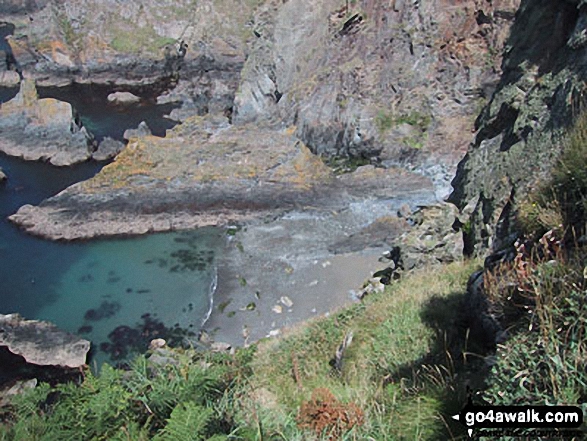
[42, 129]
[207, 172]
[41, 343]
[388, 80]
[518, 137]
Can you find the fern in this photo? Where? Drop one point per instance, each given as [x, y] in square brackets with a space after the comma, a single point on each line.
[188, 422]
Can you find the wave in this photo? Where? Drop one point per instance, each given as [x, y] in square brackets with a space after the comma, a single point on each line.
[211, 292]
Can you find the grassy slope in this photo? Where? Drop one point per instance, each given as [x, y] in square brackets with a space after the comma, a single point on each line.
[390, 370]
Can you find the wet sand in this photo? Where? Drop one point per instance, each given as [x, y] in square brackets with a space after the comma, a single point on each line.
[276, 274]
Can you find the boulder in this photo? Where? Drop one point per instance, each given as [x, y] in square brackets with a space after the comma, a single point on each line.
[142, 130]
[3, 176]
[108, 149]
[123, 98]
[42, 343]
[9, 78]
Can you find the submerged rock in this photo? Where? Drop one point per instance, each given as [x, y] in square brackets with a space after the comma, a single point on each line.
[42, 129]
[42, 343]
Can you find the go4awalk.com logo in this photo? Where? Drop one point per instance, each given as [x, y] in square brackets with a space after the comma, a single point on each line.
[517, 420]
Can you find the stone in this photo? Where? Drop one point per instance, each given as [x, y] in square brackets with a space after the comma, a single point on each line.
[157, 343]
[123, 98]
[9, 78]
[219, 346]
[42, 343]
[3, 176]
[42, 129]
[16, 389]
[107, 149]
[142, 130]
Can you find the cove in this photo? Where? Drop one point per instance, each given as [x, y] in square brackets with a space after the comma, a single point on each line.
[117, 293]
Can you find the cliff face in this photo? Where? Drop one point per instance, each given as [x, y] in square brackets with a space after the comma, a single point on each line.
[377, 79]
[541, 90]
[385, 79]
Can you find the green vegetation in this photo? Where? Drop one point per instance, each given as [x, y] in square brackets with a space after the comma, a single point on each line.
[385, 121]
[160, 401]
[343, 165]
[541, 294]
[545, 362]
[70, 36]
[562, 200]
[139, 40]
[394, 381]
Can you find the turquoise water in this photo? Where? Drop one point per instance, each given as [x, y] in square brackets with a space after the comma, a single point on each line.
[119, 293]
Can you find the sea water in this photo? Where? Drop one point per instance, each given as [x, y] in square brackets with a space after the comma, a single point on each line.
[117, 293]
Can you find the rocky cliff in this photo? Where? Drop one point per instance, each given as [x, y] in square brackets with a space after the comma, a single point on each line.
[386, 80]
[519, 132]
[368, 79]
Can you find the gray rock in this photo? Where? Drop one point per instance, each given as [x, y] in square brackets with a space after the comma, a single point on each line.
[42, 343]
[3, 176]
[142, 130]
[123, 98]
[42, 129]
[108, 149]
[15, 389]
[9, 78]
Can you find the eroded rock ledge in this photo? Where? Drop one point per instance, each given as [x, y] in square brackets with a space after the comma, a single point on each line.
[42, 343]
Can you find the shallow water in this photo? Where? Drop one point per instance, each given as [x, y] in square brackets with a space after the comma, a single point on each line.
[103, 119]
[119, 293]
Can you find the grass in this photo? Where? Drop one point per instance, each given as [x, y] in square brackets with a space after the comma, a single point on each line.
[383, 373]
[385, 121]
[540, 295]
[139, 40]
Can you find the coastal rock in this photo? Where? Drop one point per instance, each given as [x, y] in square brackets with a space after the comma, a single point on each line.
[402, 85]
[107, 149]
[519, 130]
[42, 343]
[123, 98]
[9, 78]
[17, 388]
[42, 129]
[205, 172]
[433, 238]
[142, 130]
[3, 176]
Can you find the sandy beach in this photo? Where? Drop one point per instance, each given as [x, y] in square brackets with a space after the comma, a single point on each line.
[275, 274]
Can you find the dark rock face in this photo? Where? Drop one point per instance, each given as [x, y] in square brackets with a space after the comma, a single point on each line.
[21, 6]
[539, 94]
